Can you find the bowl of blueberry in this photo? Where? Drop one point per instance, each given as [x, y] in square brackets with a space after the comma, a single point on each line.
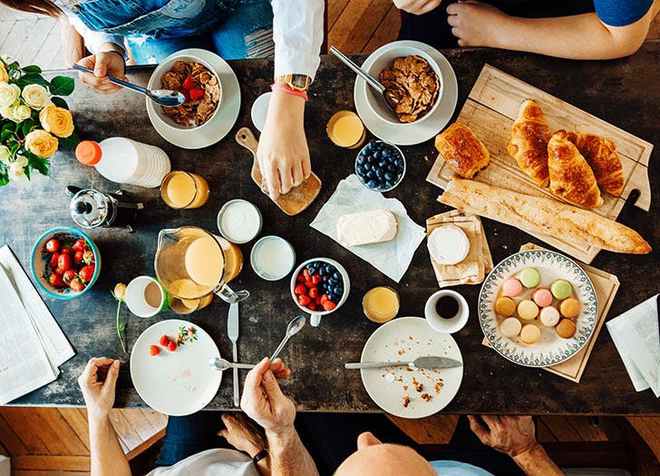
[320, 286]
[380, 166]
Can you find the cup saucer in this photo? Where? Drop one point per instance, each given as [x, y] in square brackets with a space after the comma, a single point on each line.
[414, 133]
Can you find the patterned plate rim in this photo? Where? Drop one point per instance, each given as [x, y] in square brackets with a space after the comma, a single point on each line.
[483, 316]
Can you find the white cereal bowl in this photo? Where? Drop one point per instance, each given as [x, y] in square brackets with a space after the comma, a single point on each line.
[315, 316]
[382, 59]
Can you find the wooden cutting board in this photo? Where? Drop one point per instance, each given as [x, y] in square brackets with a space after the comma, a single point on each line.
[490, 110]
[292, 203]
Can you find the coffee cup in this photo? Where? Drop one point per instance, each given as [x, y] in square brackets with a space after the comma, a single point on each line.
[446, 311]
[145, 297]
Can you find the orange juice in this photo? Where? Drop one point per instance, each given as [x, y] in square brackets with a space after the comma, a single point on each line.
[203, 261]
[345, 129]
[381, 304]
[184, 190]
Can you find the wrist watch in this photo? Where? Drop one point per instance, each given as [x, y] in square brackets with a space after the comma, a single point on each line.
[259, 456]
[297, 82]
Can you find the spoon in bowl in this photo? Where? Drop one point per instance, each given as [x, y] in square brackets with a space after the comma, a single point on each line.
[164, 97]
[296, 324]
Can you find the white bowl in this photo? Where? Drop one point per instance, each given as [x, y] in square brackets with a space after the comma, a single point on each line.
[315, 316]
[260, 272]
[155, 83]
[440, 324]
[382, 59]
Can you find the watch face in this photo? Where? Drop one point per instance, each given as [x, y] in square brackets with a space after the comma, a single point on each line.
[299, 81]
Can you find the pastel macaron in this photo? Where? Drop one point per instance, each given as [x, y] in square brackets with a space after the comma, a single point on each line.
[561, 289]
[511, 287]
[570, 308]
[505, 306]
[542, 297]
[527, 310]
[530, 334]
[566, 329]
[549, 316]
[510, 327]
[530, 277]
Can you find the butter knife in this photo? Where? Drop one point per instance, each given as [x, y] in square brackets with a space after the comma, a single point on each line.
[418, 363]
[232, 333]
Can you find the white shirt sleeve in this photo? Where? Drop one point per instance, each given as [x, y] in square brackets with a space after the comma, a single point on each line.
[94, 39]
[298, 35]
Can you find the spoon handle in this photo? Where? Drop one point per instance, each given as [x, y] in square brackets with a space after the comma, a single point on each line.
[236, 365]
[373, 82]
[279, 348]
[117, 81]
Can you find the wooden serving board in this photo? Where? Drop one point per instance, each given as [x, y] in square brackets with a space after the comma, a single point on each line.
[292, 203]
[490, 110]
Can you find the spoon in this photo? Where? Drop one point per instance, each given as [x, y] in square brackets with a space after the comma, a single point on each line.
[418, 363]
[371, 81]
[164, 97]
[224, 364]
[296, 324]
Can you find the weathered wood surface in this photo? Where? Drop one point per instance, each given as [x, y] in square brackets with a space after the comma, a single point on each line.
[620, 92]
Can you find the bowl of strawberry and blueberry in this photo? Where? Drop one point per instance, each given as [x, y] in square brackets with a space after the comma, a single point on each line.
[320, 286]
[65, 262]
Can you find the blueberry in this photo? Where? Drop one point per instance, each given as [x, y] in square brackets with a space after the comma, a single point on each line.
[370, 159]
[366, 167]
[388, 177]
[322, 272]
[372, 184]
[312, 271]
[379, 174]
[372, 174]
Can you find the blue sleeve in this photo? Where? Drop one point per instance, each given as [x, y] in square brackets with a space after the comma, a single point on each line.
[621, 12]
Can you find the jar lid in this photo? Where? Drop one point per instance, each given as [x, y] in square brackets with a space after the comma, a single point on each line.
[90, 208]
[89, 152]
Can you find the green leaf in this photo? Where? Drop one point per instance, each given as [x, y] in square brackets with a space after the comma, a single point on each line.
[4, 178]
[61, 86]
[6, 134]
[33, 68]
[37, 163]
[27, 126]
[33, 78]
[59, 102]
[69, 143]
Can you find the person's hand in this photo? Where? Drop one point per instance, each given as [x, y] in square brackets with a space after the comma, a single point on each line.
[103, 63]
[263, 400]
[99, 395]
[475, 23]
[241, 434]
[507, 434]
[283, 155]
[417, 7]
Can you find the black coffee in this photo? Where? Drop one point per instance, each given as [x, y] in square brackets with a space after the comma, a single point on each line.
[446, 307]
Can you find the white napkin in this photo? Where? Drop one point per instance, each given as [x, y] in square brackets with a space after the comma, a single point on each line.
[636, 336]
[391, 258]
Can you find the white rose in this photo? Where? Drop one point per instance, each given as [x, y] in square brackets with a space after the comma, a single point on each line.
[17, 168]
[35, 96]
[9, 93]
[17, 112]
[4, 154]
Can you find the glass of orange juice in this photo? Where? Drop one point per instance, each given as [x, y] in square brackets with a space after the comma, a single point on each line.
[184, 190]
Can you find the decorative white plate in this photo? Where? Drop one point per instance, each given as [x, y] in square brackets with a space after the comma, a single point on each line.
[219, 126]
[551, 349]
[415, 133]
[407, 338]
[175, 383]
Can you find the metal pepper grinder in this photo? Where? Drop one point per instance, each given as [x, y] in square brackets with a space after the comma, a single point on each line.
[90, 208]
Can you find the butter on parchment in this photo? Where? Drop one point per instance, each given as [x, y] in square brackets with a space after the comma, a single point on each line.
[364, 228]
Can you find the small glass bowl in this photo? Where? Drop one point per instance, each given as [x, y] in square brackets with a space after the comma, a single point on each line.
[403, 172]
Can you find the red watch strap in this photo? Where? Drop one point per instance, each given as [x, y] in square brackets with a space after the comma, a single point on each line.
[289, 90]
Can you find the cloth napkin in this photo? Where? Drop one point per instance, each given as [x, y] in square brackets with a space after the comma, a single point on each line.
[391, 258]
[636, 335]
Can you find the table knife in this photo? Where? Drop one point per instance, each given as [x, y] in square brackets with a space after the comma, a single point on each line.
[232, 333]
[419, 363]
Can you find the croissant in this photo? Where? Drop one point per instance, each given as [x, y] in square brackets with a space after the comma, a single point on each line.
[462, 150]
[600, 153]
[571, 178]
[529, 142]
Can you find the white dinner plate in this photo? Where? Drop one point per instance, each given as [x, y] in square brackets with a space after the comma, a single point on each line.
[414, 133]
[175, 383]
[550, 349]
[404, 339]
[223, 121]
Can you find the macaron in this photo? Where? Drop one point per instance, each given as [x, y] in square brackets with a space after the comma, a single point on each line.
[511, 287]
[561, 289]
[530, 277]
[530, 334]
[527, 310]
[505, 306]
[542, 297]
[510, 327]
[570, 308]
[566, 329]
[549, 316]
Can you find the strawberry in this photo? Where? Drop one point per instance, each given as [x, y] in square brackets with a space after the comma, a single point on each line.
[309, 284]
[53, 260]
[188, 83]
[313, 292]
[299, 289]
[306, 275]
[68, 276]
[324, 298]
[55, 280]
[76, 285]
[154, 350]
[329, 305]
[164, 340]
[304, 300]
[88, 257]
[300, 278]
[316, 279]
[78, 257]
[79, 245]
[171, 346]
[196, 94]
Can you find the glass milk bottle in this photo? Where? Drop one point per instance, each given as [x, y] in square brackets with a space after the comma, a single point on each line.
[125, 161]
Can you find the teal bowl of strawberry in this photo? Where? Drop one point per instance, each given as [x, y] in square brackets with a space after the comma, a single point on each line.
[65, 263]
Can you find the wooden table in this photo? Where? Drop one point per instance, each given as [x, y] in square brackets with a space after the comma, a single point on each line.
[621, 92]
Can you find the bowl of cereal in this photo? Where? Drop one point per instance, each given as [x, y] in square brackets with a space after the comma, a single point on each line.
[412, 80]
[197, 81]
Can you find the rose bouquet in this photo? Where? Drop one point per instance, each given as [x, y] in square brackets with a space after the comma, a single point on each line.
[34, 120]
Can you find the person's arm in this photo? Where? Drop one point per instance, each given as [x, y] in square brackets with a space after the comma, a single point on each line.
[264, 402]
[515, 436]
[106, 455]
[283, 153]
[583, 36]
[74, 44]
